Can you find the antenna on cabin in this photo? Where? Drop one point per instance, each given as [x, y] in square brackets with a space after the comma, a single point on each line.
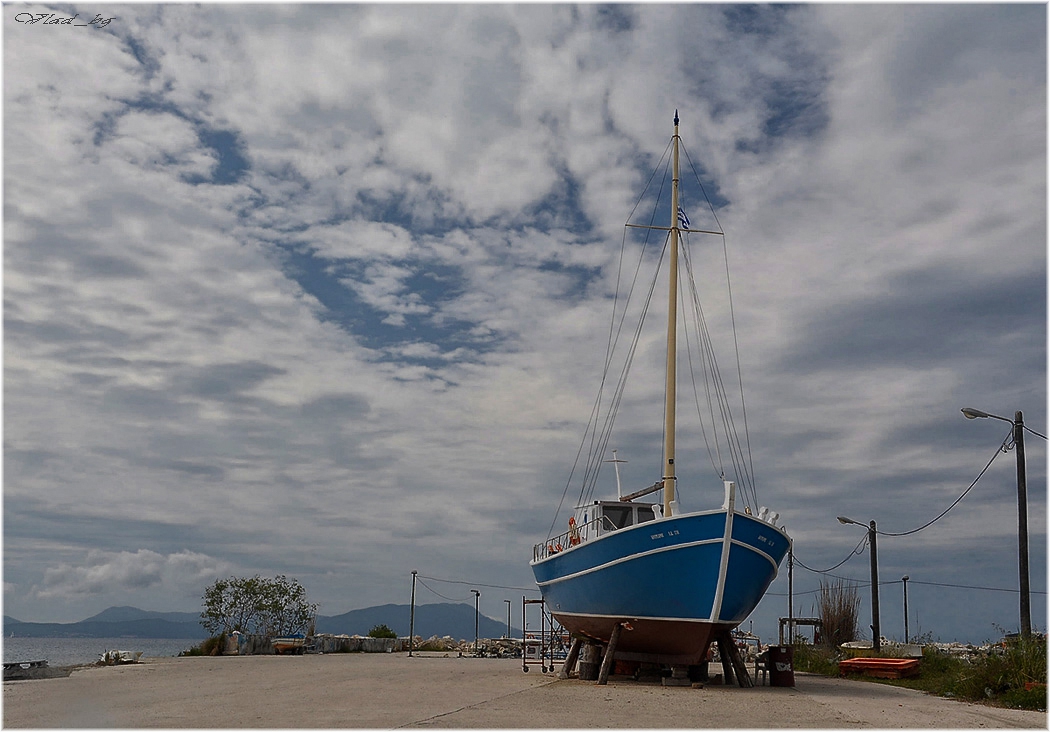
[616, 464]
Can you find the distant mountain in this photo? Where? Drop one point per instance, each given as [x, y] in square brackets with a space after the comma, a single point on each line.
[146, 627]
[127, 613]
[456, 620]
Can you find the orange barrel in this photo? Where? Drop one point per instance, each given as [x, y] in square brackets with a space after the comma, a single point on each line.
[781, 666]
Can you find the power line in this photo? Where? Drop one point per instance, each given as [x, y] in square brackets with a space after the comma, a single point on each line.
[1001, 448]
[1033, 431]
[443, 597]
[861, 585]
[475, 584]
[856, 552]
[968, 587]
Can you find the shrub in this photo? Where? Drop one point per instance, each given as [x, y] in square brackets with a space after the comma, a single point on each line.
[381, 631]
[209, 647]
[1003, 674]
[998, 677]
[815, 659]
[838, 609]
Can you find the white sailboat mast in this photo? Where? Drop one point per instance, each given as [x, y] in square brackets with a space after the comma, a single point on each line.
[672, 333]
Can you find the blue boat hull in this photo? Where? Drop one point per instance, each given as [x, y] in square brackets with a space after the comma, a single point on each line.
[674, 582]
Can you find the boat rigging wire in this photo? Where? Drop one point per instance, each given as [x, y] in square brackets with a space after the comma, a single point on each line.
[710, 364]
[732, 319]
[594, 461]
[598, 433]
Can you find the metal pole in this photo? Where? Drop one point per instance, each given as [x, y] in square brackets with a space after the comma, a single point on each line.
[477, 596]
[412, 615]
[1022, 528]
[791, 594]
[508, 617]
[876, 633]
[905, 579]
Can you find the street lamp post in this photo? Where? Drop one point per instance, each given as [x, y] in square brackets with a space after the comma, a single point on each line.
[508, 617]
[477, 597]
[1022, 514]
[876, 633]
[905, 579]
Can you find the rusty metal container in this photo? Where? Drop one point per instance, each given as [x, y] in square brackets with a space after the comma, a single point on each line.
[781, 666]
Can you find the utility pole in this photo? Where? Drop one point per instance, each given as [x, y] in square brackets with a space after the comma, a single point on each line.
[905, 579]
[412, 615]
[1022, 528]
[477, 597]
[1022, 513]
[791, 593]
[876, 633]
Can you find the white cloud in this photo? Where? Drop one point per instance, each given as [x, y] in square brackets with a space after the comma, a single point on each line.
[169, 370]
[112, 573]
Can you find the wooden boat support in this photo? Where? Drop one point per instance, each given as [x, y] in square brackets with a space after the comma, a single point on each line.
[570, 659]
[732, 663]
[588, 653]
[610, 653]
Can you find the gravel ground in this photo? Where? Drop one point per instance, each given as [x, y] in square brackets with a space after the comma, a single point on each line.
[387, 691]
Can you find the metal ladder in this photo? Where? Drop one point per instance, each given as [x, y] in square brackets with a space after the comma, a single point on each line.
[546, 644]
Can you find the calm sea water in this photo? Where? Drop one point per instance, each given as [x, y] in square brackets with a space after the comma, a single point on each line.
[70, 651]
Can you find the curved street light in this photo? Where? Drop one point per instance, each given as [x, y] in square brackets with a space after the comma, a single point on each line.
[876, 633]
[1022, 513]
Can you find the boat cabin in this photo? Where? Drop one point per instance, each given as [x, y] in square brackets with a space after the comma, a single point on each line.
[604, 516]
[596, 519]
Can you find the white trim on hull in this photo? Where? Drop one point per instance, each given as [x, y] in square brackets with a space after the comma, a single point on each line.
[676, 547]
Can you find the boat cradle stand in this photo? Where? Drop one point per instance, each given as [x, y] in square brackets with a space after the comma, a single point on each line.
[733, 666]
[588, 653]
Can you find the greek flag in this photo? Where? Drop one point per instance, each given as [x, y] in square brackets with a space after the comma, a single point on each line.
[682, 218]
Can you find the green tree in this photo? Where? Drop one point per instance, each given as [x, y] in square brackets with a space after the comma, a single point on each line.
[271, 607]
[381, 631]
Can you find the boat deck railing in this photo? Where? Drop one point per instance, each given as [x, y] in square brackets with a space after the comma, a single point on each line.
[575, 535]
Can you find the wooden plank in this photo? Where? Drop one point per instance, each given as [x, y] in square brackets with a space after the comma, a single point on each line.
[610, 651]
[570, 660]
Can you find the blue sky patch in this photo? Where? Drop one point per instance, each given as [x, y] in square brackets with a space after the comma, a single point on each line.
[430, 285]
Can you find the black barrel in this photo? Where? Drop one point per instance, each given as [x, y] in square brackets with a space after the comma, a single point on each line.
[781, 666]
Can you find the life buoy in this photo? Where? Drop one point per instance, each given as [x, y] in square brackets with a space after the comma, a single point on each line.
[574, 533]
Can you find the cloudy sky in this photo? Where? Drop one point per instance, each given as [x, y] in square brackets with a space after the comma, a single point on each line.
[325, 290]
